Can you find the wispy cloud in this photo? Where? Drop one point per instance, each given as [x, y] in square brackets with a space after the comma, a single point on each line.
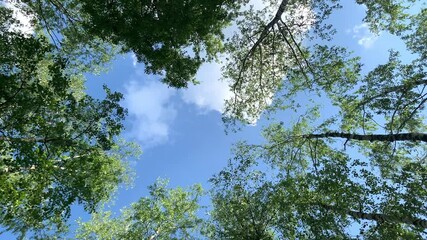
[211, 93]
[134, 59]
[364, 37]
[151, 111]
[151, 103]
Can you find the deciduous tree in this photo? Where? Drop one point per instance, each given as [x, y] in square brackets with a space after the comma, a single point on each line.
[363, 161]
[165, 214]
[268, 194]
[57, 145]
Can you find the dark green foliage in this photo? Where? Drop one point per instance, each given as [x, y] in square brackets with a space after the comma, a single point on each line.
[167, 36]
[56, 144]
[172, 38]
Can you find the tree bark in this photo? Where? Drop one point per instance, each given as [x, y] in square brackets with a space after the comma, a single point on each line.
[371, 137]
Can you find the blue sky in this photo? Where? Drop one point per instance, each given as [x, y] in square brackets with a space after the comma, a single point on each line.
[181, 132]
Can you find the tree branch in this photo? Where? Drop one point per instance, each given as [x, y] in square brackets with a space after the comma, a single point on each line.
[29, 139]
[403, 87]
[371, 137]
[261, 38]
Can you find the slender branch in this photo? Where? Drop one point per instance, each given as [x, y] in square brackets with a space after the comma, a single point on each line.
[413, 112]
[294, 54]
[404, 87]
[298, 48]
[154, 236]
[398, 103]
[58, 5]
[51, 33]
[371, 137]
[261, 38]
[29, 139]
[13, 96]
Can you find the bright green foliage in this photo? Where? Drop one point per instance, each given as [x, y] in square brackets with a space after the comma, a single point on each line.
[165, 214]
[416, 35]
[315, 178]
[388, 15]
[261, 196]
[84, 52]
[242, 208]
[57, 145]
[390, 99]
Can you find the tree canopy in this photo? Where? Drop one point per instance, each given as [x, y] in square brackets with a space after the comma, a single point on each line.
[355, 169]
[305, 189]
[58, 145]
[362, 165]
[171, 38]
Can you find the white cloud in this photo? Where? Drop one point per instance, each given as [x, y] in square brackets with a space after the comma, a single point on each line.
[364, 37]
[150, 110]
[211, 93]
[24, 19]
[134, 59]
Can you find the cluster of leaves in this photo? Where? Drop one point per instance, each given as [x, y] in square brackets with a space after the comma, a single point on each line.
[268, 48]
[364, 167]
[172, 38]
[301, 186]
[166, 214]
[58, 145]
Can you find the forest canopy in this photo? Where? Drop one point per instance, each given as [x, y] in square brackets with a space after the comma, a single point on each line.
[349, 164]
